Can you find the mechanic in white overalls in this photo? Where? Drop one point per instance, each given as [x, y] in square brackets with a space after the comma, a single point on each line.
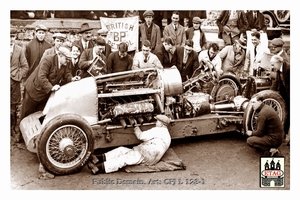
[155, 143]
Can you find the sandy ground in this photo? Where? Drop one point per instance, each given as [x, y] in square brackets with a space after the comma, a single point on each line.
[213, 162]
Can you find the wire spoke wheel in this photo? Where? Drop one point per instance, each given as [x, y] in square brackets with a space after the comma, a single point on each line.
[225, 89]
[274, 104]
[270, 98]
[66, 146]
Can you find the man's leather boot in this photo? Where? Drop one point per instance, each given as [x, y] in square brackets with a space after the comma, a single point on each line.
[96, 169]
[98, 159]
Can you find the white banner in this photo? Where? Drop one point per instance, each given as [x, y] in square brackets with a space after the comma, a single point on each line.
[121, 30]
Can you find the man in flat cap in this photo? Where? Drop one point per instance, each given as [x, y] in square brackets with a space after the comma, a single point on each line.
[35, 48]
[46, 78]
[156, 142]
[149, 31]
[103, 34]
[86, 41]
[196, 35]
[276, 48]
[93, 57]
[58, 40]
[18, 70]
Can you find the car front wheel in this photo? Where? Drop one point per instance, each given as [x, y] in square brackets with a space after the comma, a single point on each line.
[65, 144]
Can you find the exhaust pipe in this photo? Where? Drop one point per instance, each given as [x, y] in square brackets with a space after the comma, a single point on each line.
[140, 119]
[123, 122]
[132, 121]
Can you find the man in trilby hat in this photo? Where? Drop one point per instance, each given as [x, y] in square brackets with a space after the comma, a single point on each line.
[86, 37]
[233, 57]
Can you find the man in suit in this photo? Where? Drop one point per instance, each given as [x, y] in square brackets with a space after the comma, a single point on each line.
[18, 70]
[35, 48]
[282, 83]
[58, 40]
[186, 60]
[165, 53]
[231, 24]
[255, 54]
[45, 79]
[93, 56]
[197, 35]
[256, 21]
[86, 37]
[175, 30]
[149, 30]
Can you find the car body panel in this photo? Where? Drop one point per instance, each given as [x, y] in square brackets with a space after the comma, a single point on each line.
[79, 97]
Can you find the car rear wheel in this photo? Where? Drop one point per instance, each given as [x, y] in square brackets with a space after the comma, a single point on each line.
[226, 88]
[65, 144]
[270, 98]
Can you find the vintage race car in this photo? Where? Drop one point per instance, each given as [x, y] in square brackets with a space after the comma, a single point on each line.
[99, 112]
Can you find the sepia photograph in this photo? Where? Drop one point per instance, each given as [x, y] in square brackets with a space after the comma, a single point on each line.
[186, 98]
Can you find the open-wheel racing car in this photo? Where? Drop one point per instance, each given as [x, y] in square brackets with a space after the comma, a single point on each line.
[99, 112]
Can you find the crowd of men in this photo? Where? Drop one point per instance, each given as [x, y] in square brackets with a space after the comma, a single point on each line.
[43, 67]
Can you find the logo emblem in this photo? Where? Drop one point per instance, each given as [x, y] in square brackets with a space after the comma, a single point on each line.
[272, 172]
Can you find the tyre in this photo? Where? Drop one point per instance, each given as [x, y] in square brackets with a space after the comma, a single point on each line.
[65, 144]
[282, 15]
[228, 86]
[270, 98]
[269, 21]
